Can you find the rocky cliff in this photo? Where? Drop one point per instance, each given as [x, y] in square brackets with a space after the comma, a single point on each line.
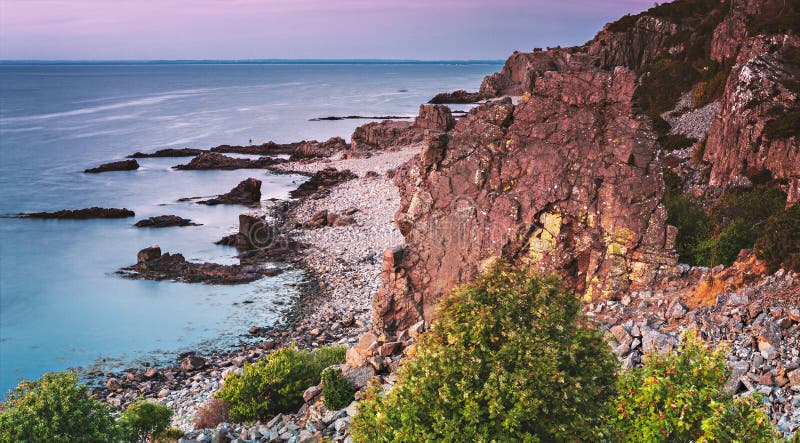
[568, 180]
[568, 177]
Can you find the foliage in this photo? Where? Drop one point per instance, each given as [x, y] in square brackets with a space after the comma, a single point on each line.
[510, 359]
[144, 420]
[681, 397]
[734, 224]
[55, 408]
[337, 391]
[693, 224]
[276, 383]
[784, 126]
[673, 142]
[724, 247]
[214, 412]
[663, 82]
[169, 435]
[788, 19]
[780, 243]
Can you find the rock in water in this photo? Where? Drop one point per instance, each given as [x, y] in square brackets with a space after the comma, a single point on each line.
[151, 264]
[123, 165]
[164, 221]
[82, 214]
[169, 152]
[456, 97]
[245, 193]
[213, 160]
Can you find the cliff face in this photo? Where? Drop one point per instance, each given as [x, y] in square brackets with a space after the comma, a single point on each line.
[570, 179]
[632, 47]
[567, 181]
[761, 87]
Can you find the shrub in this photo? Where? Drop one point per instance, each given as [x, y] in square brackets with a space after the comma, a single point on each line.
[663, 82]
[213, 413]
[276, 383]
[725, 247]
[510, 359]
[673, 142]
[694, 226]
[337, 391]
[780, 243]
[681, 397]
[144, 420]
[754, 206]
[169, 435]
[55, 408]
[785, 126]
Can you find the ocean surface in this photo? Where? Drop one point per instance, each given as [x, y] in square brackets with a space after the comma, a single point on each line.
[61, 303]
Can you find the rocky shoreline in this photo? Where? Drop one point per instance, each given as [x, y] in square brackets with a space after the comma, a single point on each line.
[342, 266]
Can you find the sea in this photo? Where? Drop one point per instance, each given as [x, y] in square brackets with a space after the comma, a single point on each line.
[62, 304]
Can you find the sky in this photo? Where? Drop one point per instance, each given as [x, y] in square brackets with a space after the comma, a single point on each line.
[297, 29]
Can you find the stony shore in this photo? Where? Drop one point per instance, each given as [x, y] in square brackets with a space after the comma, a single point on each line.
[342, 264]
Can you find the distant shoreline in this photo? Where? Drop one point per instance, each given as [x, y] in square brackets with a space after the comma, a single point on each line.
[255, 62]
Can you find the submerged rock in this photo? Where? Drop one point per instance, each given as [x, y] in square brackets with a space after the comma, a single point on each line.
[123, 165]
[82, 214]
[164, 221]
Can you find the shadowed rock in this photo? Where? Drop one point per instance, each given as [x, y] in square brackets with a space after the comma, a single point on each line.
[123, 165]
[82, 214]
[247, 192]
[153, 265]
[213, 160]
[164, 221]
[456, 97]
[169, 152]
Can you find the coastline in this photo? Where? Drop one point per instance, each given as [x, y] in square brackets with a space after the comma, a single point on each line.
[342, 266]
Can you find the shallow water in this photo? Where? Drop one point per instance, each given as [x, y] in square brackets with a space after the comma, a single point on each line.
[61, 303]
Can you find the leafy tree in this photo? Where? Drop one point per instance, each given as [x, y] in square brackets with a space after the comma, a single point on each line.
[509, 359]
[679, 397]
[144, 420]
[55, 408]
[276, 383]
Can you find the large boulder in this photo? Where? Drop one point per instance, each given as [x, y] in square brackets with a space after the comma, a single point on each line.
[124, 165]
[247, 192]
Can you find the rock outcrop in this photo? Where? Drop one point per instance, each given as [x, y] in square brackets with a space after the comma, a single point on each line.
[567, 181]
[153, 265]
[216, 161]
[762, 88]
[456, 97]
[123, 165]
[82, 214]
[315, 149]
[247, 192]
[321, 181]
[388, 134]
[164, 221]
[632, 44]
[169, 152]
[521, 70]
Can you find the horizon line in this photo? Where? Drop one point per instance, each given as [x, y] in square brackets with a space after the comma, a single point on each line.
[251, 61]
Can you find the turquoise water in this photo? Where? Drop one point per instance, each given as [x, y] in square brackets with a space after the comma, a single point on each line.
[61, 303]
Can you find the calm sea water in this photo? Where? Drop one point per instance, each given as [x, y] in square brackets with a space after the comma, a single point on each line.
[61, 303]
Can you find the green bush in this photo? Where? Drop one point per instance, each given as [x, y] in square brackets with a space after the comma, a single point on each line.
[673, 142]
[169, 435]
[55, 408]
[144, 420]
[694, 225]
[276, 383]
[337, 391]
[681, 397]
[725, 247]
[780, 243]
[509, 359]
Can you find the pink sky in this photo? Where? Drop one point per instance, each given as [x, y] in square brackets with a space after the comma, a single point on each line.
[248, 29]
